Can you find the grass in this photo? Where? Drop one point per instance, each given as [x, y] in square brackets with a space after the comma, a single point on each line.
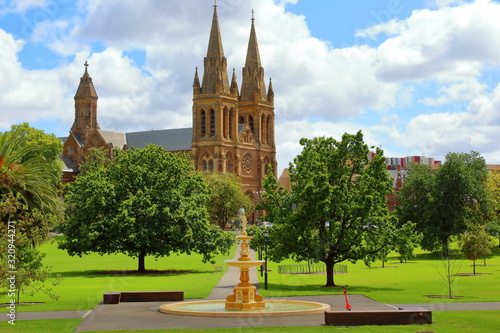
[444, 322]
[396, 283]
[82, 289]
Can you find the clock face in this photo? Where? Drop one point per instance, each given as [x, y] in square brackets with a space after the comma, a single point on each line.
[247, 163]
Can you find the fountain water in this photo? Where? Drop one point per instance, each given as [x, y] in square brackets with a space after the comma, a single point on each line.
[244, 302]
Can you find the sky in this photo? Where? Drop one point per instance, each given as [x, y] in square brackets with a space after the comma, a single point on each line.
[417, 77]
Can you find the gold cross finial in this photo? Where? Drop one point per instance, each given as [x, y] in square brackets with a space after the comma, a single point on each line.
[253, 12]
[86, 64]
[215, 3]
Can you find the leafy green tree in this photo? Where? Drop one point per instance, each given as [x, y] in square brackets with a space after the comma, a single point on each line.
[493, 225]
[337, 208]
[226, 197]
[442, 202]
[29, 205]
[475, 243]
[145, 202]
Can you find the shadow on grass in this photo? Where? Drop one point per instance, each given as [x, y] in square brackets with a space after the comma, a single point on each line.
[124, 273]
[315, 289]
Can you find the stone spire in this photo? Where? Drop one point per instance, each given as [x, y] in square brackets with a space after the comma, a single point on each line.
[253, 87]
[234, 84]
[85, 107]
[196, 83]
[86, 88]
[215, 64]
[270, 92]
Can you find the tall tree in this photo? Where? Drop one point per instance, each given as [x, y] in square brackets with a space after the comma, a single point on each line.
[337, 208]
[145, 202]
[475, 243]
[29, 205]
[493, 226]
[226, 197]
[442, 202]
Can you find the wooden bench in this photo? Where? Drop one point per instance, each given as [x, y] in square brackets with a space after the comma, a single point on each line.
[113, 297]
[375, 317]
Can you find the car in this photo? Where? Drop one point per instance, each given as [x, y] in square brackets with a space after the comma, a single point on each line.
[266, 224]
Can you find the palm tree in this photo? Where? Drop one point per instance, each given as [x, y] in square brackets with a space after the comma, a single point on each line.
[24, 171]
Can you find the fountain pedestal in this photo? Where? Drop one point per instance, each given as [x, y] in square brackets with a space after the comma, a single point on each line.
[244, 295]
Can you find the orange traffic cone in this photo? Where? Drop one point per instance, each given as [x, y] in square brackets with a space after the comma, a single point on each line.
[347, 305]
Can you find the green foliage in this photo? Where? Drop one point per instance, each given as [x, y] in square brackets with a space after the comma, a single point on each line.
[341, 206]
[475, 243]
[442, 202]
[226, 197]
[29, 206]
[493, 225]
[146, 202]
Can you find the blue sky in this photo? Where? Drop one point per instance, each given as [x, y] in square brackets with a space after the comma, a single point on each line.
[418, 77]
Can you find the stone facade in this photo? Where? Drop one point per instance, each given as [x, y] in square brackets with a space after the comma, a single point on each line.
[233, 130]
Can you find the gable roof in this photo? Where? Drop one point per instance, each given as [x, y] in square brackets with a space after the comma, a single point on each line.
[171, 139]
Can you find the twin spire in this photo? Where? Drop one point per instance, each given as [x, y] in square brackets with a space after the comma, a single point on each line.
[215, 79]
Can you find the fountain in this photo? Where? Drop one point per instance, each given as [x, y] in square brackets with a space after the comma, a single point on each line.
[244, 302]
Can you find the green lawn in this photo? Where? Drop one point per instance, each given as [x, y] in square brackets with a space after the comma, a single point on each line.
[82, 289]
[396, 283]
[83, 282]
[444, 322]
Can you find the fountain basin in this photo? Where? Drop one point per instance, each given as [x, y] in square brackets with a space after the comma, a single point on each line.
[245, 264]
[273, 308]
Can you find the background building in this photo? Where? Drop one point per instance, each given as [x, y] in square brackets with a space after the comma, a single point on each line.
[233, 129]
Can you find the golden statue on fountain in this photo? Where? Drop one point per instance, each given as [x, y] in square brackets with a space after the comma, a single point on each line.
[244, 295]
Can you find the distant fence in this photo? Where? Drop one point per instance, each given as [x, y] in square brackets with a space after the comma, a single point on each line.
[310, 269]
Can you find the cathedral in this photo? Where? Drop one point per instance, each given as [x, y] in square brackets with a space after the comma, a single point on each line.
[233, 128]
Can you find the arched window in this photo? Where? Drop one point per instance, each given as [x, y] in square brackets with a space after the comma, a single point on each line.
[204, 165]
[226, 124]
[203, 124]
[212, 123]
[250, 122]
[231, 122]
[269, 132]
[211, 165]
[263, 126]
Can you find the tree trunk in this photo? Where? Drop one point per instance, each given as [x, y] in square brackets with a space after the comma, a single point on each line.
[330, 282]
[142, 266]
[474, 265]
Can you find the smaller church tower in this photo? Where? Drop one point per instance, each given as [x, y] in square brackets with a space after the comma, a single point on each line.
[85, 107]
[84, 126]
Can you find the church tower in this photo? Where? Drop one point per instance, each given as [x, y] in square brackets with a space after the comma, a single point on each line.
[214, 110]
[85, 108]
[233, 132]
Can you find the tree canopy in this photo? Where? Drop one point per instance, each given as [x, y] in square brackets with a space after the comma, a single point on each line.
[337, 207]
[226, 197]
[29, 205]
[493, 226]
[145, 202]
[442, 202]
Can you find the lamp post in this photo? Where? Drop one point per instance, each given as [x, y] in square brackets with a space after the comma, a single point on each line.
[266, 236]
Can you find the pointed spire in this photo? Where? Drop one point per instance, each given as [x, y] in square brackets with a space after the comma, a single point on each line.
[253, 86]
[215, 65]
[86, 87]
[270, 92]
[234, 84]
[196, 82]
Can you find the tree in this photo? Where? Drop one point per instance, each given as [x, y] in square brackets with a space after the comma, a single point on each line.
[493, 226]
[476, 242]
[226, 197]
[337, 208]
[442, 202]
[29, 205]
[145, 202]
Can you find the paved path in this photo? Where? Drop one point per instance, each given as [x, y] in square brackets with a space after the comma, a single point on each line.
[145, 315]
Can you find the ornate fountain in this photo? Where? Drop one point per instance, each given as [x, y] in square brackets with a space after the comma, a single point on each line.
[244, 302]
[244, 295]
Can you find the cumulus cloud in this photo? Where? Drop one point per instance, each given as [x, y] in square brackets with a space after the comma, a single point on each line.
[320, 90]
